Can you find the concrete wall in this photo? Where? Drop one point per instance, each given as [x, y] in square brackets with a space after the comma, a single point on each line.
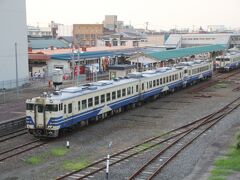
[13, 30]
[52, 64]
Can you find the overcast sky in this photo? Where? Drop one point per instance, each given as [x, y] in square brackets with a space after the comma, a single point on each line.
[161, 14]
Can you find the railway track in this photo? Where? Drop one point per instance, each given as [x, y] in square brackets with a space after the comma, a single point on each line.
[215, 80]
[21, 149]
[154, 166]
[139, 149]
[13, 134]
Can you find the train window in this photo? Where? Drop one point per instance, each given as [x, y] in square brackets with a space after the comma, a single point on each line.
[147, 85]
[150, 84]
[154, 83]
[170, 78]
[128, 90]
[84, 104]
[123, 92]
[70, 108]
[51, 107]
[157, 82]
[103, 98]
[132, 89]
[40, 108]
[164, 80]
[142, 86]
[176, 77]
[119, 94]
[108, 96]
[173, 78]
[185, 71]
[90, 102]
[65, 109]
[96, 99]
[79, 105]
[180, 75]
[161, 81]
[136, 88]
[29, 106]
[113, 95]
[59, 107]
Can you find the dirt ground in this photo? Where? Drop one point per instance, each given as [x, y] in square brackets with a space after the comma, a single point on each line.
[125, 129]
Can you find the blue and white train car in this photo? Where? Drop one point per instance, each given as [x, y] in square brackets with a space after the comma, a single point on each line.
[48, 114]
[228, 62]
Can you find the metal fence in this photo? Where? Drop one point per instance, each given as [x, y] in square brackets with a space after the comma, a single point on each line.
[33, 87]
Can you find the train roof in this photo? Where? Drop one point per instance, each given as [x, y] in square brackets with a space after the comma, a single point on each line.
[192, 63]
[71, 92]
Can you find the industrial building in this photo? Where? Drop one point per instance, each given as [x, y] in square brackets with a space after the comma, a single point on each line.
[13, 43]
[189, 40]
[86, 35]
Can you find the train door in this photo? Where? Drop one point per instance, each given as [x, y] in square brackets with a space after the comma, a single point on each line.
[70, 112]
[39, 110]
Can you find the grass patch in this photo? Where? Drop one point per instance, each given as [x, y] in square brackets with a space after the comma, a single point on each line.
[144, 146]
[221, 85]
[73, 165]
[59, 151]
[34, 160]
[228, 164]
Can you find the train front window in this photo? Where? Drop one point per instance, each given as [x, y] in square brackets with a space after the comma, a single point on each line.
[40, 108]
[52, 107]
[29, 106]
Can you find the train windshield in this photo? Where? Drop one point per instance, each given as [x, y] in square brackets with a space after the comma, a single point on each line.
[29, 106]
[51, 107]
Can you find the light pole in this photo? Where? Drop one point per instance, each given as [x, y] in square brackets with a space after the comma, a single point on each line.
[16, 60]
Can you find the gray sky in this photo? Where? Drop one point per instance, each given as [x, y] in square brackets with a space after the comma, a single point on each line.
[161, 14]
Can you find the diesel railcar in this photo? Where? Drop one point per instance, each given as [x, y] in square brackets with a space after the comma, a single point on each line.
[48, 114]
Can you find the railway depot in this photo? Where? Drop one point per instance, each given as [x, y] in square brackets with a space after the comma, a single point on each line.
[111, 101]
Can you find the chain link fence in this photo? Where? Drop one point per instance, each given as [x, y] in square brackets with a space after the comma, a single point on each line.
[33, 87]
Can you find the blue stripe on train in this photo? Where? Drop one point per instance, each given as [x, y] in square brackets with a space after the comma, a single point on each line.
[60, 121]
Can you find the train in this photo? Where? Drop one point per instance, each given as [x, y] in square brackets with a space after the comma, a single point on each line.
[228, 62]
[48, 114]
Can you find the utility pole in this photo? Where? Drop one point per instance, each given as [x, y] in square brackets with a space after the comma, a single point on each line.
[16, 60]
[147, 25]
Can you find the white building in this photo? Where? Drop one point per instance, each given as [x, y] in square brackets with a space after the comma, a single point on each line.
[13, 30]
[64, 30]
[39, 31]
[188, 40]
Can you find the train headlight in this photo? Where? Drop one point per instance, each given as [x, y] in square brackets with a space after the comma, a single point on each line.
[50, 127]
